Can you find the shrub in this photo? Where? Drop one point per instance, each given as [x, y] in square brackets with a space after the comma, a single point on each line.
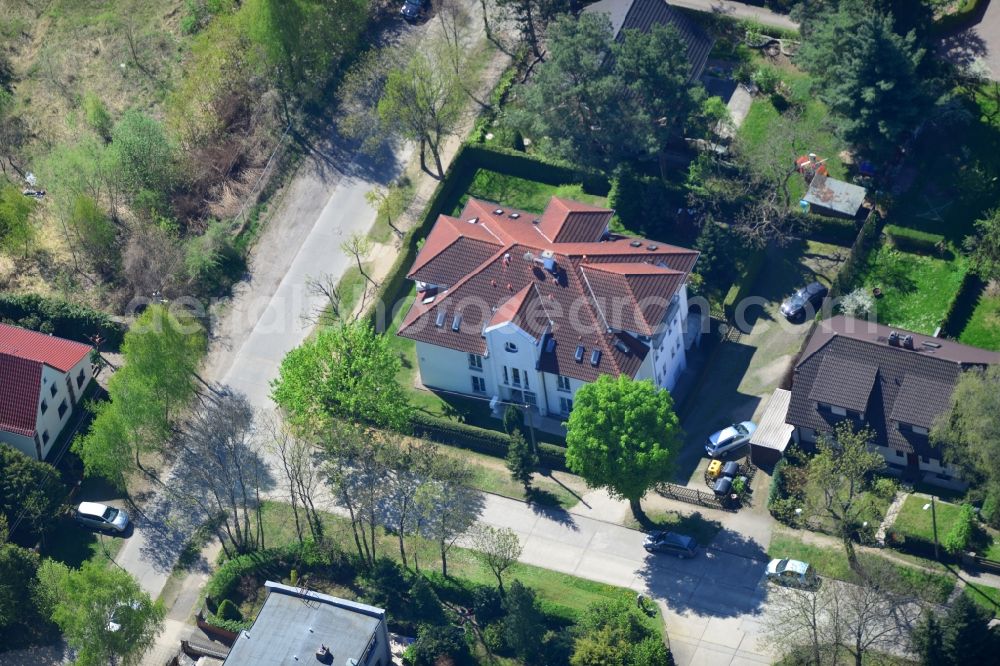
[493, 638]
[487, 604]
[959, 535]
[435, 642]
[885, 488]
[858, 303]
[767, 79]
[229, 611]
[386, 584]
[426, 607]
[912, 240]
[513, 419]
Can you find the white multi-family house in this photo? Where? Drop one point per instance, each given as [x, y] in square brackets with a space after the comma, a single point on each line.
[42, 378]
[524, 308]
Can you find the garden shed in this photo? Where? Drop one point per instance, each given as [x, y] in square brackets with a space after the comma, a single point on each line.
[836, 198]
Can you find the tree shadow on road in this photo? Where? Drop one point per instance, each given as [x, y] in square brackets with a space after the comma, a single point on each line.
[724, 580]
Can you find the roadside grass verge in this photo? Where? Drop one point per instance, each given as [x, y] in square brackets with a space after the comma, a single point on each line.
[561, 594]
[987, 597]
[916, 289]
[831, 562]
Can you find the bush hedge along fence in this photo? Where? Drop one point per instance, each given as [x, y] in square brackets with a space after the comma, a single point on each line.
[481, 440]
[866, 241]
[60, 318]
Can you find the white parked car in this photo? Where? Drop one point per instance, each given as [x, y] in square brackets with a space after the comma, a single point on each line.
[730, 438]
[101, 516]
[792, 572]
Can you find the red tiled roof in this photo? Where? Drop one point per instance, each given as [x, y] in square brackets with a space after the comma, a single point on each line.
[632, 296]
[56, 352]
[20, 384]
[572, 222]
[511, 284]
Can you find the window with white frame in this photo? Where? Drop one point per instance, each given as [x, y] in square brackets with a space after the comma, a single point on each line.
[563, 383]
[476, 362]
[510, 347]
[565, 405]
[515, 376]
[478, 384]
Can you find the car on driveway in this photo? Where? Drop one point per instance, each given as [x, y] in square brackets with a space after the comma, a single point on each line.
[806, 300]
[671, 543]
[412, 10]
[730, 438]
[792, 573]
[101, 517]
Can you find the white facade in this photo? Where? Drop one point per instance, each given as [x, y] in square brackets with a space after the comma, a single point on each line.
[58, 394]
[508, 371]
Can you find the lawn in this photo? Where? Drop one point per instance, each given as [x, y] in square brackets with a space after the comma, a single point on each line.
[528, 195]
[561, 594]
[914, 521]
[917, 289]
[811, 131]
[983, 329]
[987, 597]
[831, 562]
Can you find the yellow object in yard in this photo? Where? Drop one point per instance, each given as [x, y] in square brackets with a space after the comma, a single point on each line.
[714, 468]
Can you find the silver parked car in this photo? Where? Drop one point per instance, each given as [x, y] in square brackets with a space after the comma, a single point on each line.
[793, 573]
[730, 438]
[101, 516]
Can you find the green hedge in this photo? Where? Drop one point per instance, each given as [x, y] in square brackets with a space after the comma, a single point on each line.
[834, 230]
[481, 440]
[913, 240]
[866, 241]
[956, 540]
[60, 318]
[962, 305]
[741, 288]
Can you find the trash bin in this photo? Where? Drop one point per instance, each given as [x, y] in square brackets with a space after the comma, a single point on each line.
[714, 468]
[731, 469]
[723, 486]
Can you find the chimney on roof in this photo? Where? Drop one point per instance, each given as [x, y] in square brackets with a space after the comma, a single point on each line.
[893, 339]
[908, 342]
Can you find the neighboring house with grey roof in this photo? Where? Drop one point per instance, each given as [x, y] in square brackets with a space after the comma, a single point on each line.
[642, 15]
[517, 307]
[895, 381]
[300, 626]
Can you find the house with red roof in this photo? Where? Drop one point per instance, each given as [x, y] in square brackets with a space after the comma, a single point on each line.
[527, 308]
[42, 378]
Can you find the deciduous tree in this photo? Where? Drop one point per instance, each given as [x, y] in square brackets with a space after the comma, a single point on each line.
[225, 473]
[31, 496]
[839, 474]
[103, 613]
[969, 431]
[346, 370]
[622, 435]
[423, 101]
[498, 548]
[448, 506]
[16, 228]
[984, 246]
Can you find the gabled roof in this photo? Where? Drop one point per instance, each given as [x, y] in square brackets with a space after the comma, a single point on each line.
[631, 296]
[567, 221]
[642, 15]
[59, 353]
[843, 383]
[20, 385]
[513, 284]
[910, 386]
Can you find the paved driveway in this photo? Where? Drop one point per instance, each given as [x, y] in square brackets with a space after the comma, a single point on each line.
[978, 45]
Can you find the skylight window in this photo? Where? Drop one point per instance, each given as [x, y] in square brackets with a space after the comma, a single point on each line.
[579, 353]
[595, 357]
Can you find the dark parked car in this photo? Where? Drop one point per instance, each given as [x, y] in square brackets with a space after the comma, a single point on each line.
[671, 543]
[413, 9]
[809, 296]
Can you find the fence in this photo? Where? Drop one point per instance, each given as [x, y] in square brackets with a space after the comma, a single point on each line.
[984, 564]
[692, 496]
